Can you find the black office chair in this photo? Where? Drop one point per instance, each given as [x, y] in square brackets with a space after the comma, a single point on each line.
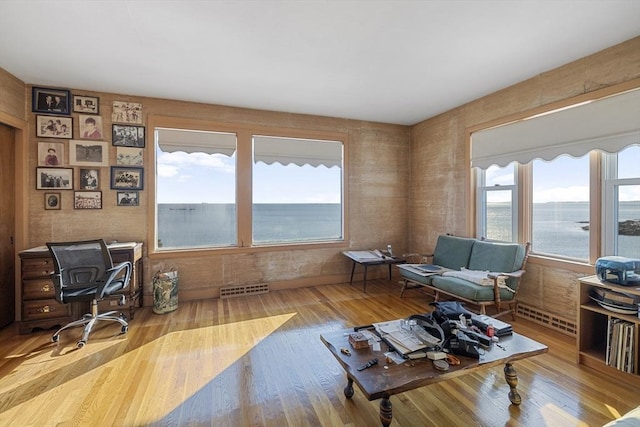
[84, 272]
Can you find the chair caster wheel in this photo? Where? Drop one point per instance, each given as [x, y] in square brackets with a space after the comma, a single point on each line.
[55, 338]
[80, 344]
[125, 329]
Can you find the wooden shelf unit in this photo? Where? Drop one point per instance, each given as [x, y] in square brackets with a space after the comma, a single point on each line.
[39, 306]
[592, 329]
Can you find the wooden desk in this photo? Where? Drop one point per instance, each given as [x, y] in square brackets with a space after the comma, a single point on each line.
[378, 382]
[366, 262]
[39, 306]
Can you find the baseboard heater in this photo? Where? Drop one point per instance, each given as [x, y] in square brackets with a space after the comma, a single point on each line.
[241, 290]
[547, 319]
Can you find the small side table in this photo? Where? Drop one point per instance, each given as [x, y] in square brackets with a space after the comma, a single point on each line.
[367, 258]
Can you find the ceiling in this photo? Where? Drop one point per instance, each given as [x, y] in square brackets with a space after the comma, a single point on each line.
[386, 61]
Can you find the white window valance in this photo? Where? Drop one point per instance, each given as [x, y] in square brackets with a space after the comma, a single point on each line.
[269, 149]
[609, 124]
[194, 141]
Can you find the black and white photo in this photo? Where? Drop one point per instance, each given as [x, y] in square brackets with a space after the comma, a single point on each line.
[128, 198]
[88, 153]
[51, 201]
[87, 200]
[127, 136]
[126, 112]
[89, 179]
[54, 127]
[52, 178]
[127, 178]
[86, 104]
[51, 101]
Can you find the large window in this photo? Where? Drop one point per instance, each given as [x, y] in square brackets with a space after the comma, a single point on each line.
[195, 188]
[579, 204]
[560, 217]
[296, 198]
[221, 189]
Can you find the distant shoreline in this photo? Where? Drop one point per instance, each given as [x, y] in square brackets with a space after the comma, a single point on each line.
[630, 227]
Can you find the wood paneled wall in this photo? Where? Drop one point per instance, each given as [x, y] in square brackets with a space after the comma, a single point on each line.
[377, 184]
[438, 200]
[12, 95]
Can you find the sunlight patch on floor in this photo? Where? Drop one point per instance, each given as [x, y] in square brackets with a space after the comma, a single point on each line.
[555, 416]
[177, 366]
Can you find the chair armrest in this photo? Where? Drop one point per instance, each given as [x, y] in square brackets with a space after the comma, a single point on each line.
[114, 273]
[495, 275]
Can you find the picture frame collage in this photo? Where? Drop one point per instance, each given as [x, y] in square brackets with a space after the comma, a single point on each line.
[65, 152]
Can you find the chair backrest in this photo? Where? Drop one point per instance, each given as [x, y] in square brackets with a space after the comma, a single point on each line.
[79, 265]
[452, 252]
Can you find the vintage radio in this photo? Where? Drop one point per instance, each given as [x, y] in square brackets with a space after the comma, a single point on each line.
[619, 270]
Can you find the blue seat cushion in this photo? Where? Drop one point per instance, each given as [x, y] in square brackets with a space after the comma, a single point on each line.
[468, 290]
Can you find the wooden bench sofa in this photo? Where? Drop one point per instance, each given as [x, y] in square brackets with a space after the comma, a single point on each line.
[479, 272]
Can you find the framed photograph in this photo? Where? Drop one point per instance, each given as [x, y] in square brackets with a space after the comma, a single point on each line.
[50, 154]
[50, 178]
[126, 178]
[128, 198]
[126, 112]
[127, 136]
[89, 179]
[87, 200]
[54, 127]
[52, 101]
[52, 201]
[86, 104]
[88, 153]
[129, 156]
[90, 127]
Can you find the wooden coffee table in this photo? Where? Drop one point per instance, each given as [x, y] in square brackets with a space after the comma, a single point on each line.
[383, 380]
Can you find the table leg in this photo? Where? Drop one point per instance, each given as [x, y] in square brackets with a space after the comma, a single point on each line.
[353, 268]
[389, 271]
[385, 411]
[511, 377]
[364, 285]
[348, 390]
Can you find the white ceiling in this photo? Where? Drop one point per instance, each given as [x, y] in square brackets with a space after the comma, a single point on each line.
[386, 61]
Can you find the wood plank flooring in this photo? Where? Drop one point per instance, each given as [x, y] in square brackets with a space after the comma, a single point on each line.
[258, 361]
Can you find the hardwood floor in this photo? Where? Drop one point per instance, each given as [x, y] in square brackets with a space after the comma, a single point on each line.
[258, 361]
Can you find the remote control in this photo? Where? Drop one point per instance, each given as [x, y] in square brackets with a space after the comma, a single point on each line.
[369, 364]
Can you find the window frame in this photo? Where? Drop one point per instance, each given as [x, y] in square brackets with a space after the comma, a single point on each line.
[244, 179]
[483, 190]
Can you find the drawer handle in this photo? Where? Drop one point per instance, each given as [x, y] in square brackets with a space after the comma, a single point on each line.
[46, 309]
[46, 288]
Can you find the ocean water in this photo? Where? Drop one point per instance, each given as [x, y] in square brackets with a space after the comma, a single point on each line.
[185, 225]
[558, 227]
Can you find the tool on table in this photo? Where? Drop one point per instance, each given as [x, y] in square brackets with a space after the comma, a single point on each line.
[369, 364]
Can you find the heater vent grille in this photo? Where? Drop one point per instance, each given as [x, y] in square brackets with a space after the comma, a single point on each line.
[240, 290]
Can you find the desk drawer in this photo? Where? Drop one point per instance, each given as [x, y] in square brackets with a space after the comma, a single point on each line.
[38, 289]
[37, 267]
[44, 309]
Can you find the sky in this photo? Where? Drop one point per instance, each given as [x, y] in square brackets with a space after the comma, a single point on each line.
[204, 178]
[566, 179]
[210, 178]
